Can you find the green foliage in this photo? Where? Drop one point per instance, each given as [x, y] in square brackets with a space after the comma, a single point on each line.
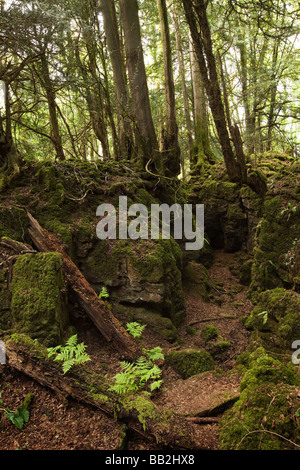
[103, 293]
[73, 353]
[21, 415]
[137, 376]
[135, 329]
[209, 332]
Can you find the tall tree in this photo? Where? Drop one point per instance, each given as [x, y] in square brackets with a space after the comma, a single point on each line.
[144, 127]
[171, 149]
[200, 30]
[201, 149]
[122, 105]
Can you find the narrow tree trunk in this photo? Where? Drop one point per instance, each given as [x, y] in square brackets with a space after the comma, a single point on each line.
[171, 149]
[204, 50]
[182, 74]
[201, 151]
[114, 47]
[145, 132]
[51, 99]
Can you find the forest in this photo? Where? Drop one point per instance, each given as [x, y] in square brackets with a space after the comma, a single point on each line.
[116, 335]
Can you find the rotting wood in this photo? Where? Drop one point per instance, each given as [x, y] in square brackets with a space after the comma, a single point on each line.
[97, 310]
[204, 421]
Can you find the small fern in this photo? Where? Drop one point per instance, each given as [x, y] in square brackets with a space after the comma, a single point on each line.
[70, 355]
[103, 293]
[135, 377]
[135, 329]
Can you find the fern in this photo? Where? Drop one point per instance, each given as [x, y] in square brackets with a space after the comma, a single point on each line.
[69, 355]
[136, 376]
[135, 329]
[103, 293]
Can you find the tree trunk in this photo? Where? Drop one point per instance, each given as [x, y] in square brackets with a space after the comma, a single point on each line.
[114, 47]
[51, 99]
[201, 150]
[196, 16]
[182, 74]
[145, 132]
[171, 149]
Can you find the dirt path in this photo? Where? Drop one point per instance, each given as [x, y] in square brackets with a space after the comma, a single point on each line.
[198, 394]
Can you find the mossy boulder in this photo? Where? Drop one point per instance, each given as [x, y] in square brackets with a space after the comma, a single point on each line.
[161, 326]
[142, 273]
[190, 362]
[275, 320]
[197, 275]
[277, 246]
[38, 297]
[265, 416]
[5, 317]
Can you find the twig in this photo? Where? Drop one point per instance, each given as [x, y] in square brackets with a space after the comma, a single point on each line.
[269, 432]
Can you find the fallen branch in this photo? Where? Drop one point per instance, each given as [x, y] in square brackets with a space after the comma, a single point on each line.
[206, 420]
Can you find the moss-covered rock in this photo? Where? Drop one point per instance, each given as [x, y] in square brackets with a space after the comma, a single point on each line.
[197, 275]
[275, 320]
[38, 302]
[262, 419]
[265, 416]
[5, 317]
[209, 332]
[190, 362]
[161, 326]
[277, 245]
[139, 272]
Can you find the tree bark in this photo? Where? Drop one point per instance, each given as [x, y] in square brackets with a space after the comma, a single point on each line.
[196, 17]
[182, 73]
[114, 47]
[51, 99]
[201, 150]
[94, 307]
[145, 132]
[171, 149]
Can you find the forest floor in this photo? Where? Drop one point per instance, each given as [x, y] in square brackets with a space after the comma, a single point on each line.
[55, 425]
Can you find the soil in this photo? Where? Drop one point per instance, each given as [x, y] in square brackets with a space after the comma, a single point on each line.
[56, 425]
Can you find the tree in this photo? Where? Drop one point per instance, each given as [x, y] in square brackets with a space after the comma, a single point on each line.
[119, 76]
[145, 134]
[200, 32]
[171, 149]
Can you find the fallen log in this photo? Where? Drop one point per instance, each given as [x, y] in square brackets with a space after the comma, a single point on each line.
[97, 310]
[138, 413]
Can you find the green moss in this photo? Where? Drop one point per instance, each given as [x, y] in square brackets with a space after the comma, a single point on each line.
[38, 305]
[276, 319]
[197, 274]
[219, 349]
[266, 369]
[262, 419]
[190, 362]
[162, 326]
[209, 332]
[264, 416]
